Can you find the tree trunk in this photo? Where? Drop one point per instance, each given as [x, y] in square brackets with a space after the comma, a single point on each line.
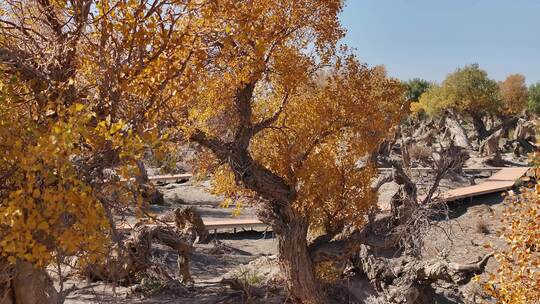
[296, 264]
[291, 228]
[29, 285]
[480, 127]
[406, 279]
[458, 132]
[490, 146]
[525, 130]
[508, 123]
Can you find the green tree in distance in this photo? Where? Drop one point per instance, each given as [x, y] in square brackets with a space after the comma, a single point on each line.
[468, 92]
[534, 98]
[415, 88]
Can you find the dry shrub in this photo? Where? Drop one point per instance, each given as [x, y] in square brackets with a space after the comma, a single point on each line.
[420, 153]
[482, 226]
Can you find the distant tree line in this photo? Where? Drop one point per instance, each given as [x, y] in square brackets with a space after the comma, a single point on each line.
[470, 93]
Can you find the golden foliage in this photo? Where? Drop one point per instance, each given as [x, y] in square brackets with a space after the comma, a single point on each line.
[416, 107]
[468, 90]
[63, 120]
[518, 277]
[319, 138]
[514, 94]
[325, 131]
[46, 205]
[87, 91]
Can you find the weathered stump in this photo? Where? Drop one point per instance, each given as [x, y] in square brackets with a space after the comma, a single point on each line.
[490, 145]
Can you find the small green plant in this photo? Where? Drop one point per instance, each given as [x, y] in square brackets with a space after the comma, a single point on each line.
[518, 183]
[249, 276]
[150, 285]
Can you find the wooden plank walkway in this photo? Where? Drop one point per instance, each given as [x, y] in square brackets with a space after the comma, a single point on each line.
[170, 178]
[503, 180]
[175, 178]
[235, 224]
[215, 224]
[466, 169]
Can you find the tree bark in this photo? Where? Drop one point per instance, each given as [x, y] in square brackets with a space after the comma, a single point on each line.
[28, 285]
[407, 279]
[277, 198]
[458, 132]
[490, 145]
[480, 127]
[508, 123]
[525, 130]
[296, 264]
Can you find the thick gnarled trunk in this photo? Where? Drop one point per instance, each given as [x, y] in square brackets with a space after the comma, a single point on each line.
[459, 135]
[480, 127]
[296, 265]
[27, 285]
[290, 227]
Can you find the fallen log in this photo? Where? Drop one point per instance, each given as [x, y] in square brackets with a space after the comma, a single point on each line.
[410, 280]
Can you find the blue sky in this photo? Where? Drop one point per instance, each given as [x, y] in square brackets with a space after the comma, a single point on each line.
[430, 38]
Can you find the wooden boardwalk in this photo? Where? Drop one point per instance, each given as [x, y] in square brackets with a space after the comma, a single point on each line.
[163, 179]
[170, 178]
[215, 224]
[235, 224]
[502, 180]
[465, 169]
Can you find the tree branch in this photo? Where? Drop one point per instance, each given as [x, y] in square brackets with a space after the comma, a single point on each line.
[51, 17]
[269, 121]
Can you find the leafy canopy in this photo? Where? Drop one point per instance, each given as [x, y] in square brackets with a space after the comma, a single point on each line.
[48, 206]
[514, 94]
[76, 98]
[276, 95]
[467, 91]
[91, 85]
[534, 98]
[415, 88]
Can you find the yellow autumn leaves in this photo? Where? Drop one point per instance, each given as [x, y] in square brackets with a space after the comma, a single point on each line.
[135, 71]
[517, 279]
[45, 209]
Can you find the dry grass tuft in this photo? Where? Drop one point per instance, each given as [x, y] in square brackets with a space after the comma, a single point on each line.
[420, 153]
[482, 226]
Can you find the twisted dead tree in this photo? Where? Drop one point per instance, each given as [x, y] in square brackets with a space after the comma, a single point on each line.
[523, 139]
[411, 214]
[133, 256]
[526, 130]
[410, 280]
[458, 133]
[406, 278]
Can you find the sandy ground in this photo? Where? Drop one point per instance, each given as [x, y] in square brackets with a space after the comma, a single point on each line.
[211, 262]
[459, 237]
